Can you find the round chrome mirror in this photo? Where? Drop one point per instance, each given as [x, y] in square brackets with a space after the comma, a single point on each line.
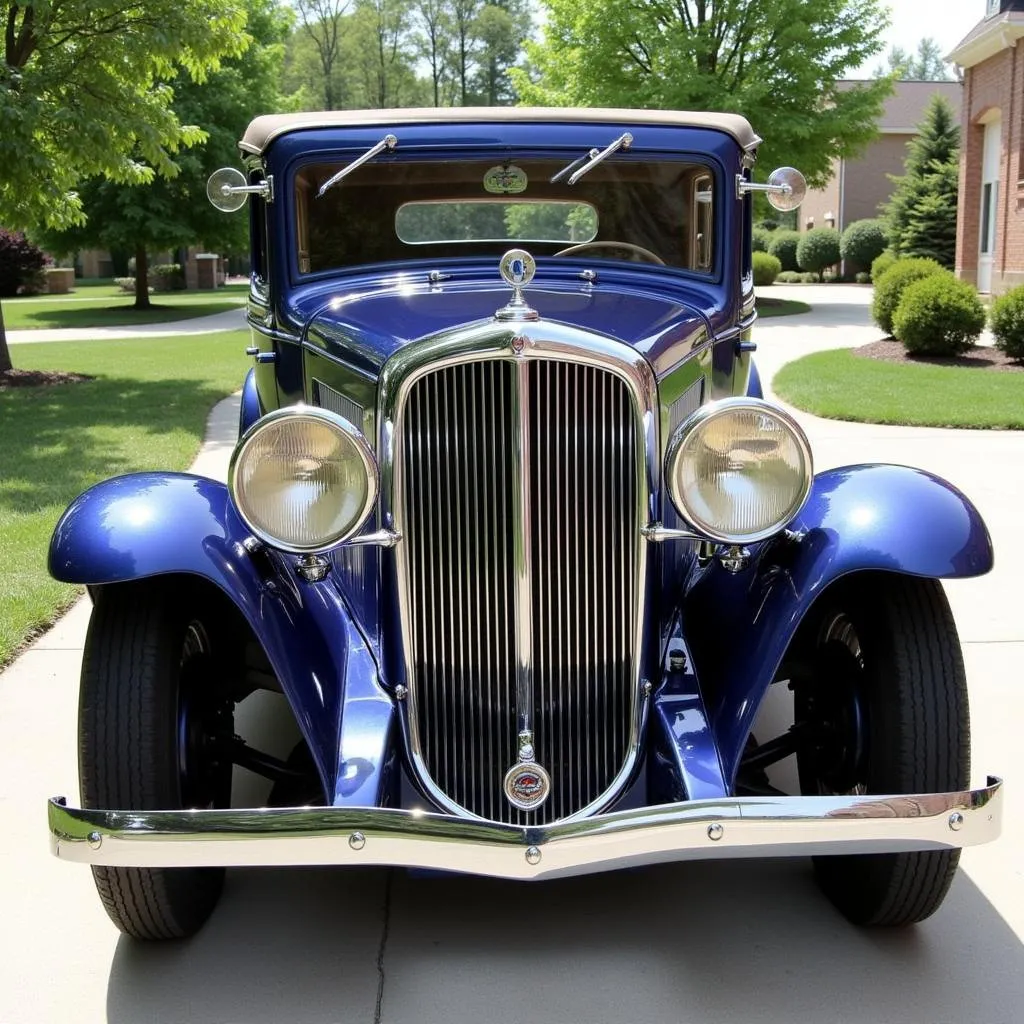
[793, 188]
[227, 189]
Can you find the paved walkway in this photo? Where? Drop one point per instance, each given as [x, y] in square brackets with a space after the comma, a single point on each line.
[228, 320]
[715, 943]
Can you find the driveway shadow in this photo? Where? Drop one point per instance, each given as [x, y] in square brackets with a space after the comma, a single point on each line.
[702, 942]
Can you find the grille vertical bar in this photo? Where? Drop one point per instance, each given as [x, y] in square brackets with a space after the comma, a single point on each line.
[460, 508]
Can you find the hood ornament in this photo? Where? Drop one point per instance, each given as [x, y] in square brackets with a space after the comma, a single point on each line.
[517, 268]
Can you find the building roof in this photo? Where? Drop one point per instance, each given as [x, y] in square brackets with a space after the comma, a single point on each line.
[904, 109]
[263, 130]
[987, 38]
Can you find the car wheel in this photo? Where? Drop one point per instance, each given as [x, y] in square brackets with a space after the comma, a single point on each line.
[156, 721]
[881, 700]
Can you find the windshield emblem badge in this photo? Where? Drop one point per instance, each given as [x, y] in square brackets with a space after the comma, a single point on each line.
[517, 268]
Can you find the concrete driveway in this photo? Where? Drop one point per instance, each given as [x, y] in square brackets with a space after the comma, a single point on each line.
[709, 943]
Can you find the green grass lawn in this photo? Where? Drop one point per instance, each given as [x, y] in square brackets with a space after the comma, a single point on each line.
[105, 305]
[146, 409]
[842, 386]
[780, 307]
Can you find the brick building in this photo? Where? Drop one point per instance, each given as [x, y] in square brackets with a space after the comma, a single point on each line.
[860, 185]
[990, 226]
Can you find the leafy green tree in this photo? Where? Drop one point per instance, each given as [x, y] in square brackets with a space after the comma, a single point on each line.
[383, 54]
[500, 30]
[83, 92]
[322, 25]
[923, 65]
[777, 63]
[173, 211]
[432, 41]
[921, 214]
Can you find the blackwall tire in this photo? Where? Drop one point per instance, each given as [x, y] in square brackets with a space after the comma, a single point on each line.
[916, 720]
[140, 650]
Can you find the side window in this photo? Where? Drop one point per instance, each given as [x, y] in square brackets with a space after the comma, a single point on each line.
[703, 222]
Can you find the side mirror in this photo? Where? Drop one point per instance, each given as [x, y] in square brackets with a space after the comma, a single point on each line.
[786, 188]
[227, 188]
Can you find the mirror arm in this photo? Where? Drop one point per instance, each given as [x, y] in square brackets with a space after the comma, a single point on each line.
[743, 187]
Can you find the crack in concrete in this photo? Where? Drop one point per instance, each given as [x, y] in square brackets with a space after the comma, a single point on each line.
[382, 947]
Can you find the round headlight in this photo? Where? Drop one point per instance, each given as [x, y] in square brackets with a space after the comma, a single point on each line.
[738, 470]
[303, 479]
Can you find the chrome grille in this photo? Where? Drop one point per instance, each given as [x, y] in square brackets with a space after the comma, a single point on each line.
[457, 449]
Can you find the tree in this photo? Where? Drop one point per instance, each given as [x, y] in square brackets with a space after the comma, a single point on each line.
[173, 211]
[433, 42]
[322, 21]
[83, 92]
[500, 29]
[921, 214]
[926, 65]
[777, 63]
[382, 44]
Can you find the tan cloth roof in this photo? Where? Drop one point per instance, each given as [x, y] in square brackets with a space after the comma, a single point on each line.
[263, 130]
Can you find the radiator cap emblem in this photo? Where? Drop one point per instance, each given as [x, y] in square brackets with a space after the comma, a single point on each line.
[527, 785]
[517, 268]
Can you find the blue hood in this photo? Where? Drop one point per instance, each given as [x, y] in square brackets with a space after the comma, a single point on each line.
[364, 326]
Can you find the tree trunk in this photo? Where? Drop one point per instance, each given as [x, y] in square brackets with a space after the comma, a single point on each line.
[141, 278]
[5, 352]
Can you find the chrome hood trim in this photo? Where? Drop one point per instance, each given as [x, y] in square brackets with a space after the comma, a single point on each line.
[730, 827]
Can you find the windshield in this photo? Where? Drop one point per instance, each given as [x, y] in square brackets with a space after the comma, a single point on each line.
[629, 208]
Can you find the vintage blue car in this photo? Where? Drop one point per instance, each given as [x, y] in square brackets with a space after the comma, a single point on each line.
[513, 530]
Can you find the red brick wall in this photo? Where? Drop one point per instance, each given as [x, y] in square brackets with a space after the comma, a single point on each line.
[997, 83]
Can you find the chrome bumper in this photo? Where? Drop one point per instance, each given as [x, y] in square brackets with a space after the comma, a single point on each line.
[732, 827]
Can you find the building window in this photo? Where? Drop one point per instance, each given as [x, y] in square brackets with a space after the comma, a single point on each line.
[989, 199]
[993, 8]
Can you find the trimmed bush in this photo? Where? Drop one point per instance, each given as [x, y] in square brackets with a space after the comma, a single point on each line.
[808, 277]
[862, 277]
[938, 316]
[21, 264]
[766, 268]
[760, 240]
[126, 284]
[783, 248]
[1006, 318]
[862, 243]
[789, 277]
[889, 288]
[881, 264]
[818, 249]
[167, 277]
[767, 224]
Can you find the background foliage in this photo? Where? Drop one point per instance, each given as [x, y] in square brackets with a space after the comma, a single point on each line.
[777, 63]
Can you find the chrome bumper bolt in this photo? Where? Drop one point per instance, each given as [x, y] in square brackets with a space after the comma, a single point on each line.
[956, 821]
[532, 855]
[357, 840]
[715, 832]
[95, 840]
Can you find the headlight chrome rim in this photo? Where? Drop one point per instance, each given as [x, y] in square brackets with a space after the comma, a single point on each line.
[711, 411]
[351, 432]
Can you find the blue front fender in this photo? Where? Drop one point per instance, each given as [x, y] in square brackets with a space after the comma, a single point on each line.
[859, 518]
[157, 524]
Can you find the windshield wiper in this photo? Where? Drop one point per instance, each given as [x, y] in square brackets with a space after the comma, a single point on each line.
[388, 142]
[593, 158]
[576, 163]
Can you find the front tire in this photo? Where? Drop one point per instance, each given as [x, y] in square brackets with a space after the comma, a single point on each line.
[155, 726]
[884, 695]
